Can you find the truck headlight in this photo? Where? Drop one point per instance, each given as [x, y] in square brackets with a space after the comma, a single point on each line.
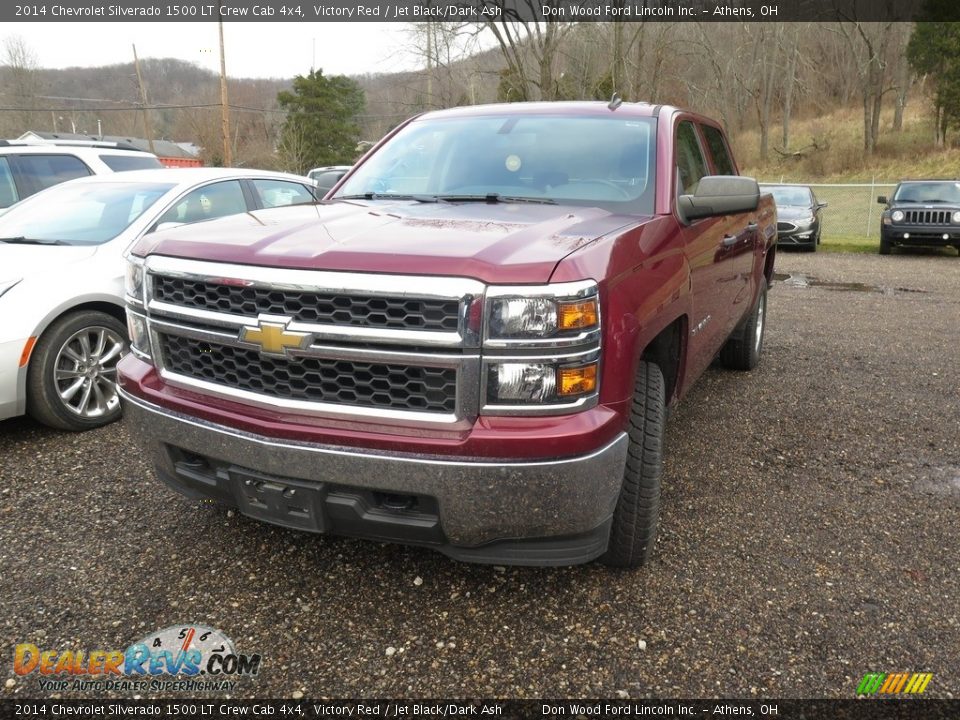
[7, 284]
[139, 334]
[522, 317]
[897, 215]
[537, 313]
[133, 279]
[522, 382]
[541, 383]
[541, 348]
[956, 217]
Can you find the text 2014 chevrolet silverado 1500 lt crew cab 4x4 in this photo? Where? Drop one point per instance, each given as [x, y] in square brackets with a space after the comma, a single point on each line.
[470, 345]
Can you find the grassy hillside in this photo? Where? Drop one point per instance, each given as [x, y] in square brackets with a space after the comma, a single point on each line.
[838, 156]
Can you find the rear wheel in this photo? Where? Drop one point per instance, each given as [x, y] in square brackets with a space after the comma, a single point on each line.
[742, 349]
[634, 529]
[72, 380]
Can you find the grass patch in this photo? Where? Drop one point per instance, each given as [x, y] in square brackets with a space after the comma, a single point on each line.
[849, 244]
[909, 153]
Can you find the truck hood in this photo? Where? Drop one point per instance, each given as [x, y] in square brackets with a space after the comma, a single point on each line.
[21, 261]
[502, 242]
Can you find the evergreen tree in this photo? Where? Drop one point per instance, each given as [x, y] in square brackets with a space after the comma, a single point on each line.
[321, 125]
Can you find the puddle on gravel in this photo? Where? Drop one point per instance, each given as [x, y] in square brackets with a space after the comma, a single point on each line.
[940, 481]
[805, 281]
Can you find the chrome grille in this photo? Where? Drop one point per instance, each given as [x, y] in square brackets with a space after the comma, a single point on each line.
[326, 308]
[927, 217]
[392, 349]
[312, 379]
[786, 227]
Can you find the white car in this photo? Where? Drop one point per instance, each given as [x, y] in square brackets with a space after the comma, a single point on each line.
[62, 325]
[27, 167]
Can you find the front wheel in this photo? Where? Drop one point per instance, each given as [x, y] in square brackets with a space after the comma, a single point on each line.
[72, 380]
[634, 529]
[742, 349]
[885, 245]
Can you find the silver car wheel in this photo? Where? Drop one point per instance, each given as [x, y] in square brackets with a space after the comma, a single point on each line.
[85, 371]
[761, 311]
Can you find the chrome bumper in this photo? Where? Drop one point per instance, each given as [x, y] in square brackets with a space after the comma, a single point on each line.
[543, 512]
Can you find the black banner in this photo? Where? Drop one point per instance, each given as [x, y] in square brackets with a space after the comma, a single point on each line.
[479, 10]
[863, 709]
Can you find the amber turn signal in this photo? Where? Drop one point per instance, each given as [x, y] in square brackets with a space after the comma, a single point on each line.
[577, 381]
[577, 315]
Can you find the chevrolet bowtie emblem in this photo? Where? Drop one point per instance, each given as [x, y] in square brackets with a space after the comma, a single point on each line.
[272, 336]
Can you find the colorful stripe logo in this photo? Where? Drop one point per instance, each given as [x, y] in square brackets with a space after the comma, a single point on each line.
[894, 683]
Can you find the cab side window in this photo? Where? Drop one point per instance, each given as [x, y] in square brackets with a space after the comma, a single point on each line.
[8, 190]
[277, 193]
[208, 202]
[690, 163]
[44, 171]
[719, 150]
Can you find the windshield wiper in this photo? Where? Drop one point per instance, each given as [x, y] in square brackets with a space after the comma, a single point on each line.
[387, 196]
[496, 198]
[31, 241]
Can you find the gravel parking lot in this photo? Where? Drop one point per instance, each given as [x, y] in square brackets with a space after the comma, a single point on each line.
[809, 535]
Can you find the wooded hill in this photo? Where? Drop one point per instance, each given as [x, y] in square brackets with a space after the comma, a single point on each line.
[780, 88]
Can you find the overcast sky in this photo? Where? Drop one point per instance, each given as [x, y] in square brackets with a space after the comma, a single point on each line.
[269, 49]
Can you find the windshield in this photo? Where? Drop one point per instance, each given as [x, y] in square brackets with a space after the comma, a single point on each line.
[929, 192]
[790, 195]
[82, 214]
[596, 161]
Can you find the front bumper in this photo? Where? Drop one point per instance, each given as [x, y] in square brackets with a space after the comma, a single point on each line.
[12, 379]
[936, 235]
[479, 510]
[800, 235]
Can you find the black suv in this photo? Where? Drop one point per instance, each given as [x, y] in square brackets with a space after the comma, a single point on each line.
[921, 212]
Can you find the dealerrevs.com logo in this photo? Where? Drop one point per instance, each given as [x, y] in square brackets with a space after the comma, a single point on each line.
[894, 683]
[201, 658]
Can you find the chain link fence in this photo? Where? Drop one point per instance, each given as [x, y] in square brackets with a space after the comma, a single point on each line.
[852, 210]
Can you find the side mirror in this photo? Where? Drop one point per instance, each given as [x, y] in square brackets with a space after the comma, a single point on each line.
[719, 195]
[882, 199]
[822, 205]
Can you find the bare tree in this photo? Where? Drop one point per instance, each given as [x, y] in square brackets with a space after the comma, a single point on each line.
[869, 42]
[529, 48]
[902, 77]
[22, 84]
[790, 79]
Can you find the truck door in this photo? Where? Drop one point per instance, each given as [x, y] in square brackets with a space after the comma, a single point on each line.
[741, 235]
[716, 250]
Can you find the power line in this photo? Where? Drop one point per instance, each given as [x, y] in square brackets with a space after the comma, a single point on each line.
[136, 106]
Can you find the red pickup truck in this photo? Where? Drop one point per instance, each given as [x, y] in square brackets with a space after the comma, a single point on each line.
[470, 344]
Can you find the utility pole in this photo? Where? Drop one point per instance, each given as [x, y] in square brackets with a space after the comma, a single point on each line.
[224, 107]
[147, 129]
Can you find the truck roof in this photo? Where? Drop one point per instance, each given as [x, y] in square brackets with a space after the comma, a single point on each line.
[578, 107]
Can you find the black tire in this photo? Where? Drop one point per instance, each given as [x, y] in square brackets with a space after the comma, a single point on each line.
[743, 347]
[885, 245]
[634, 530]
[51, 363]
